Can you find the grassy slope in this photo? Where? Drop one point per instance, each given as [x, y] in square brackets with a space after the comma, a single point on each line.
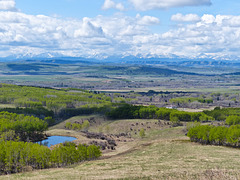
[163, 154]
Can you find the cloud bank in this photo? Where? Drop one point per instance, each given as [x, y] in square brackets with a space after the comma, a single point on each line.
[144, 5]
[185, 18]
[8, 5]
[207, 36]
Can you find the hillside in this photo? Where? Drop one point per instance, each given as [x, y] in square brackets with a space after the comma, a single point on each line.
[163, 154]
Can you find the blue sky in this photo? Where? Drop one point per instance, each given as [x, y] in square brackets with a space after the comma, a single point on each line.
[100, 28]
[92, 8]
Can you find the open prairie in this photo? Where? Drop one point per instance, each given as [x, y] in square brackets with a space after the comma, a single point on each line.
[164, 153]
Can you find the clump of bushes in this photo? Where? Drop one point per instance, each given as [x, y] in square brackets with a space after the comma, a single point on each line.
[232, 120]
[27, 128]
[16, 156]
[215, 135]
[127, 111]
[77, 126]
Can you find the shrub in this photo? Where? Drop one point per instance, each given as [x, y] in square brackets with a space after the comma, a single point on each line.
[85, 125]
[142, 133]
[68, 125]
[233, 120]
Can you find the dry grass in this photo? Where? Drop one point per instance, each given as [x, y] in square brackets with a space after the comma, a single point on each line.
[163, 154]
[97, 118]
[7, 106]
[63, 132]
[119, 126]
[195, 110]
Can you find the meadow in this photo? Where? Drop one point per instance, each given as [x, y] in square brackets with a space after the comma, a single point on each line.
[164, 153]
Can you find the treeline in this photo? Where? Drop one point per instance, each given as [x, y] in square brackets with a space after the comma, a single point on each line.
[185, 100]
[65, 103]
[70, 112]
[26, 128]
[221, 114]
[127, 111]
[20, 156]
[215, 135]
[54, 100]
[39, 112]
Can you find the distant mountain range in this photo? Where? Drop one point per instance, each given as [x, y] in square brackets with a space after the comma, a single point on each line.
[173, 61]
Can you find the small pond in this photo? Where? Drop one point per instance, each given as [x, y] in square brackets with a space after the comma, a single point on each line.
[52, 140]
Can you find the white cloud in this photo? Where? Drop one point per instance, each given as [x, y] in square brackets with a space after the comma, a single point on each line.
[8, 5]
[21, 33]
[185, 18]
[208, 18]
[109, 4]
[145, 5]
[88, 30]
[147, 20]
[120, 6]
[210, 36]
[232, 21]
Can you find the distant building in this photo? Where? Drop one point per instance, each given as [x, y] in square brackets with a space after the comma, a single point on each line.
[171, 107]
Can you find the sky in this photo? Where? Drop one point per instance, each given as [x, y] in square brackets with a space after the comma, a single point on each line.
[193, 29]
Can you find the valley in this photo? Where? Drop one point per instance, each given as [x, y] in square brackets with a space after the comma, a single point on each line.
[139, 116]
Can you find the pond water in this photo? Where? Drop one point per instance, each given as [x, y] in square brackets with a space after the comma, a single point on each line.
[52, 140]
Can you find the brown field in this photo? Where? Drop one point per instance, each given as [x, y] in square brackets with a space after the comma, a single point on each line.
[196, 110]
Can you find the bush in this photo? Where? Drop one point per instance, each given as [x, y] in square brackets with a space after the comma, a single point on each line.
[142, 133]
[85, 125]
[76, 126]
[68, 125]
[233, 120]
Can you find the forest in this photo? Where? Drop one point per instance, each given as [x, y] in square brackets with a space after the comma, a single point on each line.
[35, 109]
[26, 128]
[17, 132]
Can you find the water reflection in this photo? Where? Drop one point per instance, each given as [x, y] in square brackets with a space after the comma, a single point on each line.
[52, 140]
